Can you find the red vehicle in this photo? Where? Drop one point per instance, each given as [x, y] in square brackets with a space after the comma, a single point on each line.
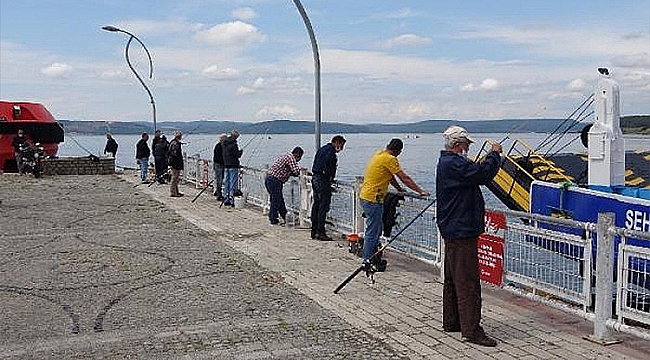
[37, 123]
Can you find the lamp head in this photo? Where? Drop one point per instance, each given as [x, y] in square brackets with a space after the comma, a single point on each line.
[110, 28]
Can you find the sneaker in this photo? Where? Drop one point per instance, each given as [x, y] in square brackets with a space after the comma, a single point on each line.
[313, 235]
[219, 197]
[482, 340]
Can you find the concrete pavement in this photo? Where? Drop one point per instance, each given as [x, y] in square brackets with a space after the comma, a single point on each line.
[109, 270]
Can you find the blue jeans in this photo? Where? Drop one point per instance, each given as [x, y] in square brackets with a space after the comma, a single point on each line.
[274, 187]
[230, 185]
[144, 168]
[374, 224]
[218, 179]
[322, 199]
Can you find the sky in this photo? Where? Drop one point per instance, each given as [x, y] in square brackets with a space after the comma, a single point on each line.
[382, 61]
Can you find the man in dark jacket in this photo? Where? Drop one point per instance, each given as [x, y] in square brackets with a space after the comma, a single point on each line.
[217, 165]
[111, 146]
[17, 142]
[231, 155]
[461, 212]
[324, 172]
[160, 149]
[175, 161]
[142, 154]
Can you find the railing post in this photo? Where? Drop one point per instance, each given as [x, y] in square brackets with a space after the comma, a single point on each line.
[604, 279]
[183, 176]
[358, 225]
[303, 206]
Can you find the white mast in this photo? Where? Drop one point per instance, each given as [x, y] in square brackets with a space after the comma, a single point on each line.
[606, 143]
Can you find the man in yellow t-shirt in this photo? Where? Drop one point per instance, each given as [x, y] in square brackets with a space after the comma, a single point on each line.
[381, 170]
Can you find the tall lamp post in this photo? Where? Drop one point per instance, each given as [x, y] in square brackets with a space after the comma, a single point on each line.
[314, 48]
[128, 61]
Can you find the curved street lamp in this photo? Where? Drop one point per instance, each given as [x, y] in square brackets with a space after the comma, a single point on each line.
[314, 48]
[128, 62]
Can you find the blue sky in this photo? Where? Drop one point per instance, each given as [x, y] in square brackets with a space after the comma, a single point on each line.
[382, 60]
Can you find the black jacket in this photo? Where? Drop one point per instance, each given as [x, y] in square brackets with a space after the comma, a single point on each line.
[160, 148]
[217, 156]
[461, 209]
[142, 149]
[111, 146]
[325, 162]
[17, 141]
[175, 155]
[231, 153]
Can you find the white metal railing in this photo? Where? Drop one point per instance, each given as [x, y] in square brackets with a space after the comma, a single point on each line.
[553, 258]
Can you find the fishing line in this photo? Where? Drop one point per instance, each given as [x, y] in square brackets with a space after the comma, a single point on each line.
[551, 135]
[577, 121]
[572, 140]
[81, 146]
[256, 147]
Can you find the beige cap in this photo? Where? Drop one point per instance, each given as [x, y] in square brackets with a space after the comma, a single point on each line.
[456, 133]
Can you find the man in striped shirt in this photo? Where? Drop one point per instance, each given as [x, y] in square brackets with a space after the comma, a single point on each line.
[279, 172]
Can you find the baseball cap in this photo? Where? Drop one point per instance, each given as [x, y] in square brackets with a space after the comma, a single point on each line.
[456, 133]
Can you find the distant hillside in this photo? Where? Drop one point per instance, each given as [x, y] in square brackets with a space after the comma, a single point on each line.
[631, 124]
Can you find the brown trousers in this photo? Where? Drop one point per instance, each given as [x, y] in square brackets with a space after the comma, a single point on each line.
[461, 292]
[173, 187]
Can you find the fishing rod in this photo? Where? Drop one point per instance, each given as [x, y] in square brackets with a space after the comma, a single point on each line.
[365, 266]
[202, 190]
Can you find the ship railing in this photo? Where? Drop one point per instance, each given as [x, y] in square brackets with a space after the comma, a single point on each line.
[548, 265]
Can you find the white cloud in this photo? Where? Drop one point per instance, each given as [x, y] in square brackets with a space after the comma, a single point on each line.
[576, 85]
[489, 84]
[244, 13]
[235, 33]
[57, 70]
[253, 87]
[111, 74]
[217, 73]
[467, 87]
[563, 42]
[142, 27]
[407, 40]
[276, 112]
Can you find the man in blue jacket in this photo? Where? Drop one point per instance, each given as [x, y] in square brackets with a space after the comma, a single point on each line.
[461, 219]
[324, 172]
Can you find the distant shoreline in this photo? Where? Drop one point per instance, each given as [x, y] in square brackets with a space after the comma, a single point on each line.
[637, 124]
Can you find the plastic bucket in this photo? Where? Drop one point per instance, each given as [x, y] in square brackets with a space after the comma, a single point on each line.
[239, 202]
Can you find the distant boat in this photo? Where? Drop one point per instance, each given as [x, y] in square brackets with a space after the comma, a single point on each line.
[412, 136]
[37, 123]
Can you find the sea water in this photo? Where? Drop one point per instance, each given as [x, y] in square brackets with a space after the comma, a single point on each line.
[418, 159]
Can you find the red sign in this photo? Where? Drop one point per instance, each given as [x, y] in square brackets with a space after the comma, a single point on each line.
[490, 248]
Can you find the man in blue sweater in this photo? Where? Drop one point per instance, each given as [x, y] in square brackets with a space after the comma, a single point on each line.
[461, 219]
[324, 172]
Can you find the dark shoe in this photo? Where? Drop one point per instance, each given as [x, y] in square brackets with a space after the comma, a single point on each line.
[176, 195]
[274, 222]
[313, 235]
[323, 237]
[482, 340]
[451, 329]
